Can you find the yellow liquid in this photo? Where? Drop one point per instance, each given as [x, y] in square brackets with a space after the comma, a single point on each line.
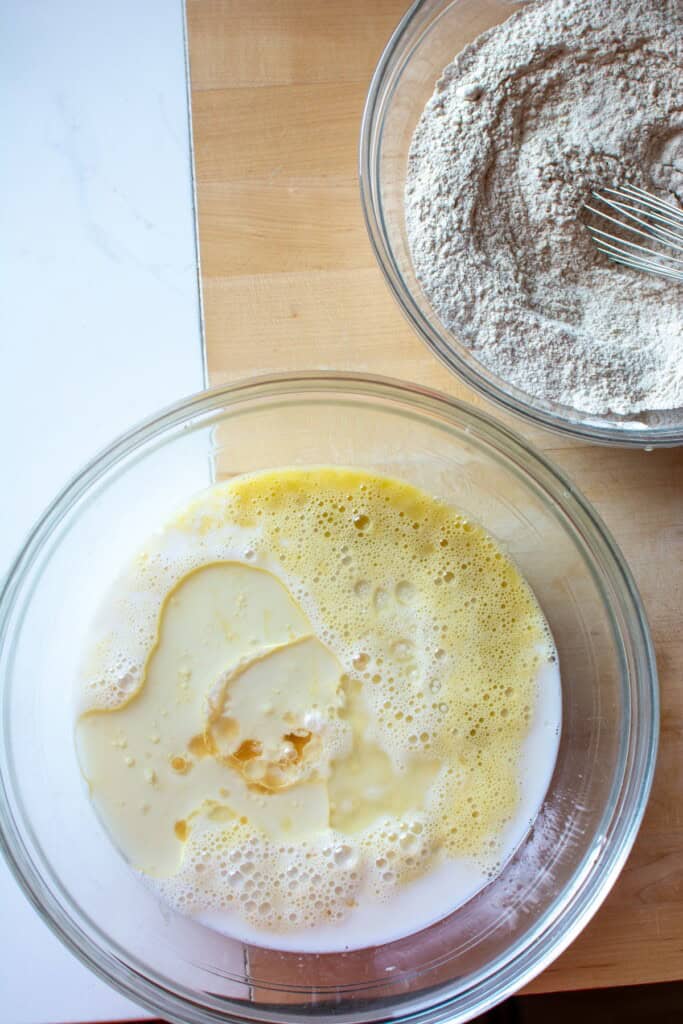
[339, 686]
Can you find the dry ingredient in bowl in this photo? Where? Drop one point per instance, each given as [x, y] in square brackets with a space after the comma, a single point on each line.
[563, 97]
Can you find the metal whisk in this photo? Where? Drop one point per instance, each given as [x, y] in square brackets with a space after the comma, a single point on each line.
[636, 211]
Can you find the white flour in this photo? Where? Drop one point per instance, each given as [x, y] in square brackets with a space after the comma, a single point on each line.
[565, 96]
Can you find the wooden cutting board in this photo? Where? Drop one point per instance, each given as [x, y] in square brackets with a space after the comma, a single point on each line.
[290, 282]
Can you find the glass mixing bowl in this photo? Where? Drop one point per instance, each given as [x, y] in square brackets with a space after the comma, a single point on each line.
[427, 39]
[512, 929]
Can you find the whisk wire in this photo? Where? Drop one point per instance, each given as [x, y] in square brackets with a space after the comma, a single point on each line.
[637, 263]
[619, 223]
[649, 200]
[639, 213]
[630, 212]
[616, 243]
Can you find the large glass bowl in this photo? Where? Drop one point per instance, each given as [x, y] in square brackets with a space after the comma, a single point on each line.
[510, 930]
[427, 39]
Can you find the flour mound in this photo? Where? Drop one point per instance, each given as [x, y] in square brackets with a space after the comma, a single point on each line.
[564, 97]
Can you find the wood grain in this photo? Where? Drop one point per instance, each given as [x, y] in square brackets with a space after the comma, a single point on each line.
[290, 282]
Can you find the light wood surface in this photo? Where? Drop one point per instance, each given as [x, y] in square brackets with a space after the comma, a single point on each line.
[290, 282]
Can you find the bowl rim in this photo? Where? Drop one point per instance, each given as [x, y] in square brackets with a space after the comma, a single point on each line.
[441, 342]
[626, 808]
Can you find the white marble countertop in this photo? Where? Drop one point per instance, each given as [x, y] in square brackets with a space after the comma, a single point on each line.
[100, 314]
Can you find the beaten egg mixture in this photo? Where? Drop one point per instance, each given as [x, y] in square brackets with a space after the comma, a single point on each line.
[311, 688]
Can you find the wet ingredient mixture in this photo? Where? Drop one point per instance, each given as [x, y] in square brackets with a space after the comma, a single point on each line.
[314, 690]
